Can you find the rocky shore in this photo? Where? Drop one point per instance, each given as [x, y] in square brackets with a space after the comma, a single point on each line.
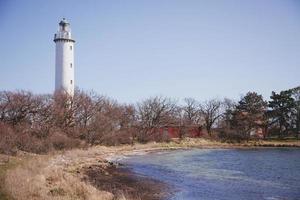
[124, 184]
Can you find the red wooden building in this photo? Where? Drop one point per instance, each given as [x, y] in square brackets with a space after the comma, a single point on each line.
[174, 131]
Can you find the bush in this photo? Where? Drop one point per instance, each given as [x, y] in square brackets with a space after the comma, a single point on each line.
[29, 143]
[7, 140]
[231, 135]
[22, 138]
[60, 141]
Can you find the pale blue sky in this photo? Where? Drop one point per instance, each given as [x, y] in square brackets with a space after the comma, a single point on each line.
[130, 50]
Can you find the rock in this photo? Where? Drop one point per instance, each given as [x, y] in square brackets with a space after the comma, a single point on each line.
[111, 163]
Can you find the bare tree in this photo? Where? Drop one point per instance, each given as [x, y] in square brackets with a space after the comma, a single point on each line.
[86, 107]
[38, 123]
[191, 112]
[128, 116]
[154, 113]
[157, 111]
[211, 111]
[16, 107]
[190, 115]
[62, 110]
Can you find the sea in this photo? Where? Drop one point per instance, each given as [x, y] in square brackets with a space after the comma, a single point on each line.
[224, 174]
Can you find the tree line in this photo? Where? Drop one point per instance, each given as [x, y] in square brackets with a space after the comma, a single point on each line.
[40, 123]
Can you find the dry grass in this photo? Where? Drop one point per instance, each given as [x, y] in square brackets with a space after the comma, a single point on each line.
[6, 163]
[50, 177]
[58, 176]
[205, 143]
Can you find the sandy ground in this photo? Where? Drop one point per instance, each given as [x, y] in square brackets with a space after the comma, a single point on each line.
[90, 174]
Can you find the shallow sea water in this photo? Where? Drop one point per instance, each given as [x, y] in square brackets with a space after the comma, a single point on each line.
[225, 174]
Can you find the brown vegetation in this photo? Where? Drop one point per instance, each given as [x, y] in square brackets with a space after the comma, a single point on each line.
[42, 123]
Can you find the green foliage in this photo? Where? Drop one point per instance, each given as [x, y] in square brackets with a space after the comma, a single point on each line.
[249, 114]
[252, 103]
[282, 113]
[296, 96]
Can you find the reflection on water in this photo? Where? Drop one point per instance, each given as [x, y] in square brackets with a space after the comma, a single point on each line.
[271, 174]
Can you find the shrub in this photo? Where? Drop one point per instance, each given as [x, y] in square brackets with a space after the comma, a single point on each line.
[7, 139]
[232, 135]
[27, 142]
[60, 141]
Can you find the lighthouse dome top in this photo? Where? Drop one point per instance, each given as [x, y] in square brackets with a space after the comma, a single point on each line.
[64, 22]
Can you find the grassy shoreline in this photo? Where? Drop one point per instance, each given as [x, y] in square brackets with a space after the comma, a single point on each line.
[60, 175]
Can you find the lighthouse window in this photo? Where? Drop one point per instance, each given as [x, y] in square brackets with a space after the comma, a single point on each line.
[70, 47]
[71, 65]
[71, 81]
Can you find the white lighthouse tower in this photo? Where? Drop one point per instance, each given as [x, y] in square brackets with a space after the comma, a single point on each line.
[64, 59]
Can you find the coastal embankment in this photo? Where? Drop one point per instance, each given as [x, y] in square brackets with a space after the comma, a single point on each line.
[94, 172]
